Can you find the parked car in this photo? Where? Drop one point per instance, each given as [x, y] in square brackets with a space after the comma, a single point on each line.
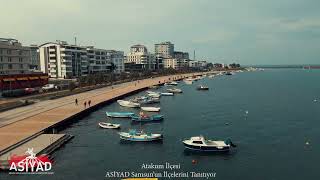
[49, 87]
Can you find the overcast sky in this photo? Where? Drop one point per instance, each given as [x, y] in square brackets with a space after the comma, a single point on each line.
[245, 31]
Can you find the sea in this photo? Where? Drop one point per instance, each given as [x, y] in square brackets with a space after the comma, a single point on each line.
[273, 116]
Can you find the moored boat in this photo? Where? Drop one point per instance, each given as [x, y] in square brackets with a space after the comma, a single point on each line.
[174, 90]
[151, 109]
[172, 83]
[167, 94]
[199, 143]
[109, 125]
[128, 104]
[120, 114]
[188, 81]
[134, 135]
[145, 118]
[201, 87]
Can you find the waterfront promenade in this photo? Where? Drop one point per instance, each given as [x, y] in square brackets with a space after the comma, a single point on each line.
[22, 123]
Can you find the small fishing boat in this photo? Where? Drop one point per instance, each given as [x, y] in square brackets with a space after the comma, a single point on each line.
[153, 87]
[145, 118]
[109, 125]
[140, 136]
[151, 109]
[128, 104]
[199, 143]
[187, 81]
[211, 76]
[201, 87]
[229, 73]
[153, 94]
[167, 94]
[174, 90]
[172, 83]
[120, 114]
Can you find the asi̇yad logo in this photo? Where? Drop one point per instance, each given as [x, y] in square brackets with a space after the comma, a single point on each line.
[30, 164]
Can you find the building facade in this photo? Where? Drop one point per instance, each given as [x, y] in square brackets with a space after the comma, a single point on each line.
[98, 60]
[166, 49]
[117, 58]
[14, 58]
[34, 57]
[181, 55]
[61, 60]
[140, 58]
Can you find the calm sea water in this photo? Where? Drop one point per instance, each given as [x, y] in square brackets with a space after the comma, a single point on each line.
[271, 138]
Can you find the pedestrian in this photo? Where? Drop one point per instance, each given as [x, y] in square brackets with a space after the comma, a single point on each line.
[76, 101]
[89, 103]
[85, 104]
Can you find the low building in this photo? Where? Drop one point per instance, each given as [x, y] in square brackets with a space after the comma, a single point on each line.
[14, 58]
[62, 60]
[181, 55]
[20, 81]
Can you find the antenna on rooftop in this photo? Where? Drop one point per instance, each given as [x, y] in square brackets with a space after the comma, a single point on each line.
[75, 40]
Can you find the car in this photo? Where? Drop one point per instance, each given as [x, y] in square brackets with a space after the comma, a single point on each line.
[49, 87]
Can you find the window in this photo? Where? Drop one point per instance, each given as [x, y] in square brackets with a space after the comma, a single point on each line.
[20, 52]
[1, 66]
[0, 51]
[9, 51]
[21, 66]
[10, 66]
[1, 59]
[20, 59]
[9, 59]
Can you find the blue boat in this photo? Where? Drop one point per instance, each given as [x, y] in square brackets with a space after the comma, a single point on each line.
[140, 136]
[120, 114]
[145, 118]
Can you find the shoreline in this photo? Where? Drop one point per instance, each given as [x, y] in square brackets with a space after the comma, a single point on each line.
[63, 111]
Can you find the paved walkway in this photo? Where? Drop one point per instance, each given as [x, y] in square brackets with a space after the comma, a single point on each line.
[21, 123]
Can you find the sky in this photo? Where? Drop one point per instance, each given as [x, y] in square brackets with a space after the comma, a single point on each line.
[249, 32]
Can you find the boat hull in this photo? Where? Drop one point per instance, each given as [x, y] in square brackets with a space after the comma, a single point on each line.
[206, 148]
[119, 114]
[147, 119]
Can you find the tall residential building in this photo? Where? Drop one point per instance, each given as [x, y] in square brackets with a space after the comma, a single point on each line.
[34, 57]
[14, 58]
[140, 59]
[166, 49]
[62, 60]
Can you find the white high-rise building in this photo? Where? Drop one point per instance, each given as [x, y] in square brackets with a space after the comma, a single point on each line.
[62, 60]
[140, 57]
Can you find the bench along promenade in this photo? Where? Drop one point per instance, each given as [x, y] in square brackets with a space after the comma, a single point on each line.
[20, 125]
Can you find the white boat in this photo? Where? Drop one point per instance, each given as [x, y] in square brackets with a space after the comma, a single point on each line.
[140, 136]
[174, 90]
[153, 94]
[151, 109]
[211, 76]
[167, 94]
[199, 143]
[172, 83]
[128, 104]
[187, 81]
[109, 125]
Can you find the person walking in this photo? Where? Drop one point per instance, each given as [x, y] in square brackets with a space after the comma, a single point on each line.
[85, 104]
[89, 103]
[76, 101]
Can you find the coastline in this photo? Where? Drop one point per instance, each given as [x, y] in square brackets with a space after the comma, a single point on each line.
[28, 125]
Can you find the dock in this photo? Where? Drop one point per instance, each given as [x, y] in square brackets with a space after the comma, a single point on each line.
[22, 125]
[42, 144]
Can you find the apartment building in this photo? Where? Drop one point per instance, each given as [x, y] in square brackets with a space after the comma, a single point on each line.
[166, 49]
[14, 58]
[140, 58]
[62, 60]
